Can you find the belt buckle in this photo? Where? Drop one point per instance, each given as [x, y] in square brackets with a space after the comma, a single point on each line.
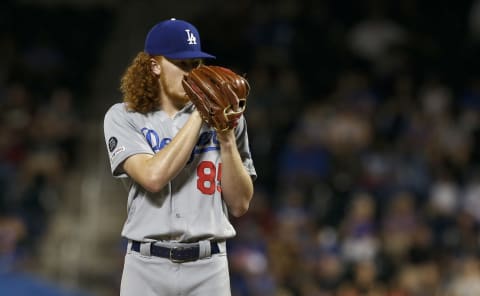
[171, 254]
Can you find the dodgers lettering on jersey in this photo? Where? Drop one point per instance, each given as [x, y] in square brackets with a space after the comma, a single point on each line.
[190, 207]
[207, 141]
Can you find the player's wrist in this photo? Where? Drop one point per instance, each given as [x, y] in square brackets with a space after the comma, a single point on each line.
[226, 137]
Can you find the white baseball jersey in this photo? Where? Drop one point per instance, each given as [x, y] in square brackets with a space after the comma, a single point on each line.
[190, 207]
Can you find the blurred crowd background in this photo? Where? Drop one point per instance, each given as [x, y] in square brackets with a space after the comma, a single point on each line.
[364, 126]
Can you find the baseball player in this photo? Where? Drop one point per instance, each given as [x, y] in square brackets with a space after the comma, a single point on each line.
[183, 176]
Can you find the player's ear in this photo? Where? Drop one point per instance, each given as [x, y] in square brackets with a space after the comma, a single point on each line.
[155, 66]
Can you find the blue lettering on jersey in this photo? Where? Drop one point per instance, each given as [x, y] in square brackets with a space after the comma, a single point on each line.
[153, 139]
[206, 142]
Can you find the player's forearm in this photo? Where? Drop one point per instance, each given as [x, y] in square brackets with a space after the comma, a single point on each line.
[168, 162]
[154, 172]
[237, 185]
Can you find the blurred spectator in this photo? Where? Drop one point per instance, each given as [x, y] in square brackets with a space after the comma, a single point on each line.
[12, 233]
[399, 220]
[466, 279]
[358, 230]
[470, 203]
[374, 37]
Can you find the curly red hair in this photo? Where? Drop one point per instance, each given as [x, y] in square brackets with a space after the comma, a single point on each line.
[139, 85]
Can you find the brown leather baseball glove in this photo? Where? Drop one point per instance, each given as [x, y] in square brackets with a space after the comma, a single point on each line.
[218, 93]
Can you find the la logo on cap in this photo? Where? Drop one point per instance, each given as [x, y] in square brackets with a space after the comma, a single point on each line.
[190, 37]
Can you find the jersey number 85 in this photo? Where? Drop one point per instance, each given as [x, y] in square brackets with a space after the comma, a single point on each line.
[209, 177]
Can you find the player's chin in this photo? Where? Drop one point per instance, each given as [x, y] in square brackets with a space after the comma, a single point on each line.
[182, 98]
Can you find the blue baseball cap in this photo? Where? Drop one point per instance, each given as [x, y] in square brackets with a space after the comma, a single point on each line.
[175, 39]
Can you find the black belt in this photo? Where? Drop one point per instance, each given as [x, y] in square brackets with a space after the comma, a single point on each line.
[189, 252]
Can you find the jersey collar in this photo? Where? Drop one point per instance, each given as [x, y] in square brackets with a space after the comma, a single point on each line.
[188, 108]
